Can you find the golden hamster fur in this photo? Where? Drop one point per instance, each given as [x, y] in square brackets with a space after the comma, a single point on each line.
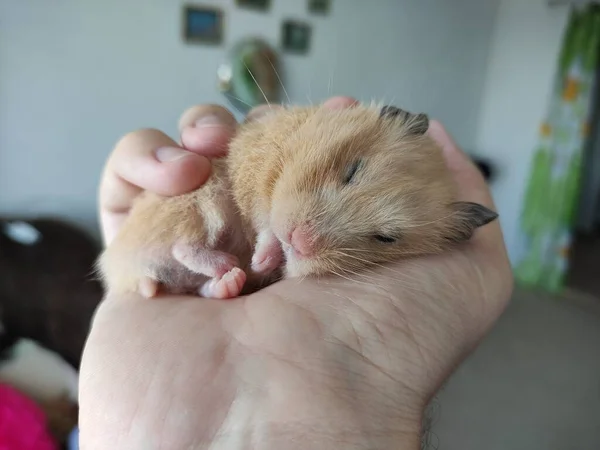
[304, 191]
[192, 243]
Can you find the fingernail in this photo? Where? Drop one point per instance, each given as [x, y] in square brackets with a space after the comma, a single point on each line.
[340, 102]
[209, 121]
[170, 154]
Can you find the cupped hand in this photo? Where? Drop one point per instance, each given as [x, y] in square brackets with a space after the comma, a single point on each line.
[316, 364]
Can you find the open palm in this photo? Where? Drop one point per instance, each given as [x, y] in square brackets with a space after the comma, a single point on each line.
[330, 363]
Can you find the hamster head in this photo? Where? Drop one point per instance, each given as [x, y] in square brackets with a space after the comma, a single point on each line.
[364, 186]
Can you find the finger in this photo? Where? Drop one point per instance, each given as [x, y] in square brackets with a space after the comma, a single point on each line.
[207, 130]
[332, 103]
[150, 160]
[472, 187]
[471, 183]
[261, 111]
[340, 102]
[146, 160]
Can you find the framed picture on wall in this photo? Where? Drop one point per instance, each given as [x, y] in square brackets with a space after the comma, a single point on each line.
[260, 5]
[296, 36]
[319, 6]
[202, 25]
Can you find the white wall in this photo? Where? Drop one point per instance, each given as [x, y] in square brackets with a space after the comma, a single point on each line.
[75, 75]
[522, 61]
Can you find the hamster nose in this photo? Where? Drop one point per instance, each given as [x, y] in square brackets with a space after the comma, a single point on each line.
[301, 241]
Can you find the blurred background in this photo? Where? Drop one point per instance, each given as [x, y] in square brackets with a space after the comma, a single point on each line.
[513, 80]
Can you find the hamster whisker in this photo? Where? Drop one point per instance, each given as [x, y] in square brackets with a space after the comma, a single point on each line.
[374, 266]
[257, 85]
[433, 221]
[238, 109]
[348, 255]
[280, 82]
[332, 72]
[309, 95]
[356, 258]
[370, 273]
[370, 263]
[239, 100]
[336, 273]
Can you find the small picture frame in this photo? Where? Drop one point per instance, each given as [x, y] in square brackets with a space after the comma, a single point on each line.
[258, 5]
[202, 25]
[296, 36]
[320, 7]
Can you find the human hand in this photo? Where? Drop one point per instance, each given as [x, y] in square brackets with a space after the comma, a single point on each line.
[150, 160]
[301, 364]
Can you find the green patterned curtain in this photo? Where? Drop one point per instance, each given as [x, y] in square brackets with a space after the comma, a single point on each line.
[551, 198]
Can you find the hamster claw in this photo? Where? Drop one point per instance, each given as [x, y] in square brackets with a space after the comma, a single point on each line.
[268, 254]
[228, 286]
[148, 287]
[212, 263]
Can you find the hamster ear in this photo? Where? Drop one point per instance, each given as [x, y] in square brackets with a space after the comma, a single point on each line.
[416, 124]
[467, 218]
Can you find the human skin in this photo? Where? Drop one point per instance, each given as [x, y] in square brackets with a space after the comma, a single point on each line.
[311, 364]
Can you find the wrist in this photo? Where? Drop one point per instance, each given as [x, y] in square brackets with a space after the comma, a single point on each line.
[332, 399]
[312, 387]
[316, 419]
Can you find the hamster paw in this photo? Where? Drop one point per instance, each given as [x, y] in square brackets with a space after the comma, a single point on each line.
[228, 286]
[212, 263]
[268, 254]
[148, 287]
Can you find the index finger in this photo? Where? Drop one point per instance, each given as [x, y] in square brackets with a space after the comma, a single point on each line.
[472, 186]
[207, 130]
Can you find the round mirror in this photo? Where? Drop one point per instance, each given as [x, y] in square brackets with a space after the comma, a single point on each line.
[250, 75]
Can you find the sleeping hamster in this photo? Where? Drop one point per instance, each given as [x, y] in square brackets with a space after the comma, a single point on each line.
[306, 191]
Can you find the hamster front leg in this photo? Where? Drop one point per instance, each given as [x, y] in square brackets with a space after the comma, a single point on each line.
[268, 254]
[227, 279]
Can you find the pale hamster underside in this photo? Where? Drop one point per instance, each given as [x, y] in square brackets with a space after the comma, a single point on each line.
[305, 191]
[189, 244]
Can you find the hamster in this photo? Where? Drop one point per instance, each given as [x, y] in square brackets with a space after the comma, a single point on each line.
[304, 191]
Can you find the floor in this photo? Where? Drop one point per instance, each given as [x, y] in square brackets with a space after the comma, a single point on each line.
[534, 383]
